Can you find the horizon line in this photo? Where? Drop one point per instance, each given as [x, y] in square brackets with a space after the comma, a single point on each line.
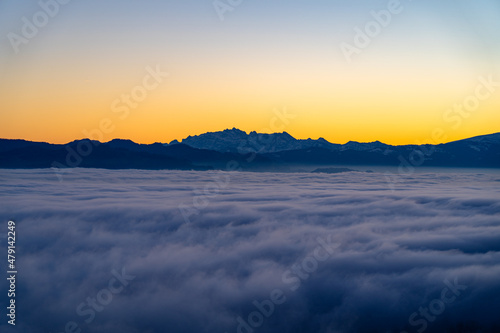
[247, 133]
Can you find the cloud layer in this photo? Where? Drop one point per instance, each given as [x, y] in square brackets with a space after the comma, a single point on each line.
[346, 252]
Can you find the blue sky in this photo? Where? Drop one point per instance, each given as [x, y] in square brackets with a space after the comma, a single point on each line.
[233, 73]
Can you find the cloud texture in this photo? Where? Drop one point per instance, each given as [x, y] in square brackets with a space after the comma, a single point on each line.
[245, 237]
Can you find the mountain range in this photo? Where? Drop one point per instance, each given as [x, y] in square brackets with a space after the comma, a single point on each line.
[235, 149]
[237, 141]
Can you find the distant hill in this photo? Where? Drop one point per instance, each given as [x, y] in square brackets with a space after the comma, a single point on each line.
[237, 150]
[25, 154]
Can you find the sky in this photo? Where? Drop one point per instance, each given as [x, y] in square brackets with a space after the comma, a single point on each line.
[391, 71]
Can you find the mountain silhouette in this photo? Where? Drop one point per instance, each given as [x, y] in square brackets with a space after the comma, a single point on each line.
[236, 150]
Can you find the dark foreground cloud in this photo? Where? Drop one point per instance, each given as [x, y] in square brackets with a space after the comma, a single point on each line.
[110, 251]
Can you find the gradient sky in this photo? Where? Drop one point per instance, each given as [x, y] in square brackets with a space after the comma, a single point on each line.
[264, 56]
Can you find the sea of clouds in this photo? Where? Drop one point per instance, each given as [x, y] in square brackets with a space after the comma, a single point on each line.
[177, 251]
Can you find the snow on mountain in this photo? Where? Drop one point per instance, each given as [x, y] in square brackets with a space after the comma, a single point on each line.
[237, 141]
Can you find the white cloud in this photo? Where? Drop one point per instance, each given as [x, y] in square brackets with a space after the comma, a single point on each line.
[396, 249]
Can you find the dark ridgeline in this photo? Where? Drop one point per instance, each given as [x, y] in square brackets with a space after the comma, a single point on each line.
[248, 151]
